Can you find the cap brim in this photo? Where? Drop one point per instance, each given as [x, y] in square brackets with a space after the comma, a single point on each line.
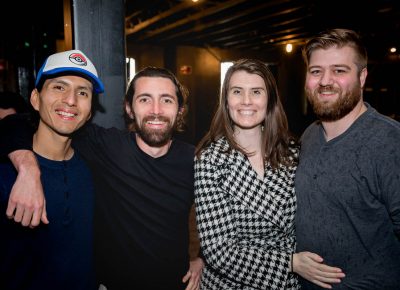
[98, 86]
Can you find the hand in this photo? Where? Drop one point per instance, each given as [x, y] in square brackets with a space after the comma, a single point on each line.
[194, 274]
[26, 204]
[310, 266]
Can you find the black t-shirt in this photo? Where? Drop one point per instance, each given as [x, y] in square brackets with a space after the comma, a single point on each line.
[142, 209]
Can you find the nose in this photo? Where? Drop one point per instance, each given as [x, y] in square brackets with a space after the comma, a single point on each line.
[246, 98]
[70, 99]
[326, 78]
[156, 108]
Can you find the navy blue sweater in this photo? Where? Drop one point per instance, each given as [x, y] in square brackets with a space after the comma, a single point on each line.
[57, 255]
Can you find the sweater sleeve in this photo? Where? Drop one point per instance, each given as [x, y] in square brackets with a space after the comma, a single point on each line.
[388, 169]
[17, 132]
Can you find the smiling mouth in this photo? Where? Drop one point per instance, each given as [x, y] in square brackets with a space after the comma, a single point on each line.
[327, 93]
[246, 112]
[66, 114]
[155, 122]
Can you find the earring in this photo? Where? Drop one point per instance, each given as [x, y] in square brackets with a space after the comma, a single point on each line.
[262, 128]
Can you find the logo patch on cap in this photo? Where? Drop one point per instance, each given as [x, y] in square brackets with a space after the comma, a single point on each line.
[70, 61]
[78, 59]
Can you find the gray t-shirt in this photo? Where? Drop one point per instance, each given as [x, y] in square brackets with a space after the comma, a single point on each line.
[348, 193]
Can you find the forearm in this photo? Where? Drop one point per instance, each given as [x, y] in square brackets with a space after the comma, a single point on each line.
[26, 203]
[25, 163]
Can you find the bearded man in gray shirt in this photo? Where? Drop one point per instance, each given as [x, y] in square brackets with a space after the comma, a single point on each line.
[348, 179]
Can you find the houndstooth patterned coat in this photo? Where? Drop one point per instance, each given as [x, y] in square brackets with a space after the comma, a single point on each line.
[246, 225]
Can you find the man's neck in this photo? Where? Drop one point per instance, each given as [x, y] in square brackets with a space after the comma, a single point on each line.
[336, 128]
[52, 146]
[153, 151]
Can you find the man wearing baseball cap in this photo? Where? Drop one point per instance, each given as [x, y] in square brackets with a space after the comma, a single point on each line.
[56, 255]
[144, 190]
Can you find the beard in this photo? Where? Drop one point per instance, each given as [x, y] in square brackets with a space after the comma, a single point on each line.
[155, 137]
[328, 111]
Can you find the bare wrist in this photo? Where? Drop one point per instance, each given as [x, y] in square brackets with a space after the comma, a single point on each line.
[293, 262]
[24, 162]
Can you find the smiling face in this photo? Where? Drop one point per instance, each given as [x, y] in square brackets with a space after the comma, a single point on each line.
[247, 100]
[64, 104]
[333, 84]
[155, 109]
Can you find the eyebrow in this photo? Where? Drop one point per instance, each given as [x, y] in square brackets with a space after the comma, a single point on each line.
[255, 88]
[60, 81]
[143, 95]
[335, 65]
[169, 96]
[162, 95]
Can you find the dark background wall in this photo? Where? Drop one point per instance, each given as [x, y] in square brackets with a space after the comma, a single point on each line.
[203, 80]
[36, 30]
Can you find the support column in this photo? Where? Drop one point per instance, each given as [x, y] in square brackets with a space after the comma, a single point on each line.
[98, 30]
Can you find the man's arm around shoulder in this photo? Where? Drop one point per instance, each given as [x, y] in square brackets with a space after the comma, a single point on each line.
[26, 203]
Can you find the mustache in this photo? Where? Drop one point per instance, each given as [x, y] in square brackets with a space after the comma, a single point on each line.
[156, 118]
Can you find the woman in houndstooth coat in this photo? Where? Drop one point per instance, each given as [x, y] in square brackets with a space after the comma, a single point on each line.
[244, 186]
[244, 190]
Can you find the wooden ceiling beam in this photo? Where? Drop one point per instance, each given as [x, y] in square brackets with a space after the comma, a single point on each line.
[142, 25]
[301, 38]
[279, 25]
[262, 38]
[206, 12]
[228, 29]
[213, 24]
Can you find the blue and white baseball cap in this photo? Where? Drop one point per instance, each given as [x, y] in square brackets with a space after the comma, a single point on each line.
[71, 61]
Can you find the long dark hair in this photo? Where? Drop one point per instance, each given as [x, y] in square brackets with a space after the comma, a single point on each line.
[275, 136]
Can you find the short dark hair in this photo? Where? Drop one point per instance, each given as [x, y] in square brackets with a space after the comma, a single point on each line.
[339, 38]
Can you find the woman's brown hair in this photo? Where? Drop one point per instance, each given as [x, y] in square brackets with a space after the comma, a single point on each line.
[275, 135]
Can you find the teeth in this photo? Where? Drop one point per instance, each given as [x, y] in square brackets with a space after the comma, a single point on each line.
[65, 114]
[327, 93]
[248, 113]
[155, 122]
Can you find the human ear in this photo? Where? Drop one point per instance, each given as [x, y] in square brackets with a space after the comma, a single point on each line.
[35, 99]
[363, 76]
[128, 110]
